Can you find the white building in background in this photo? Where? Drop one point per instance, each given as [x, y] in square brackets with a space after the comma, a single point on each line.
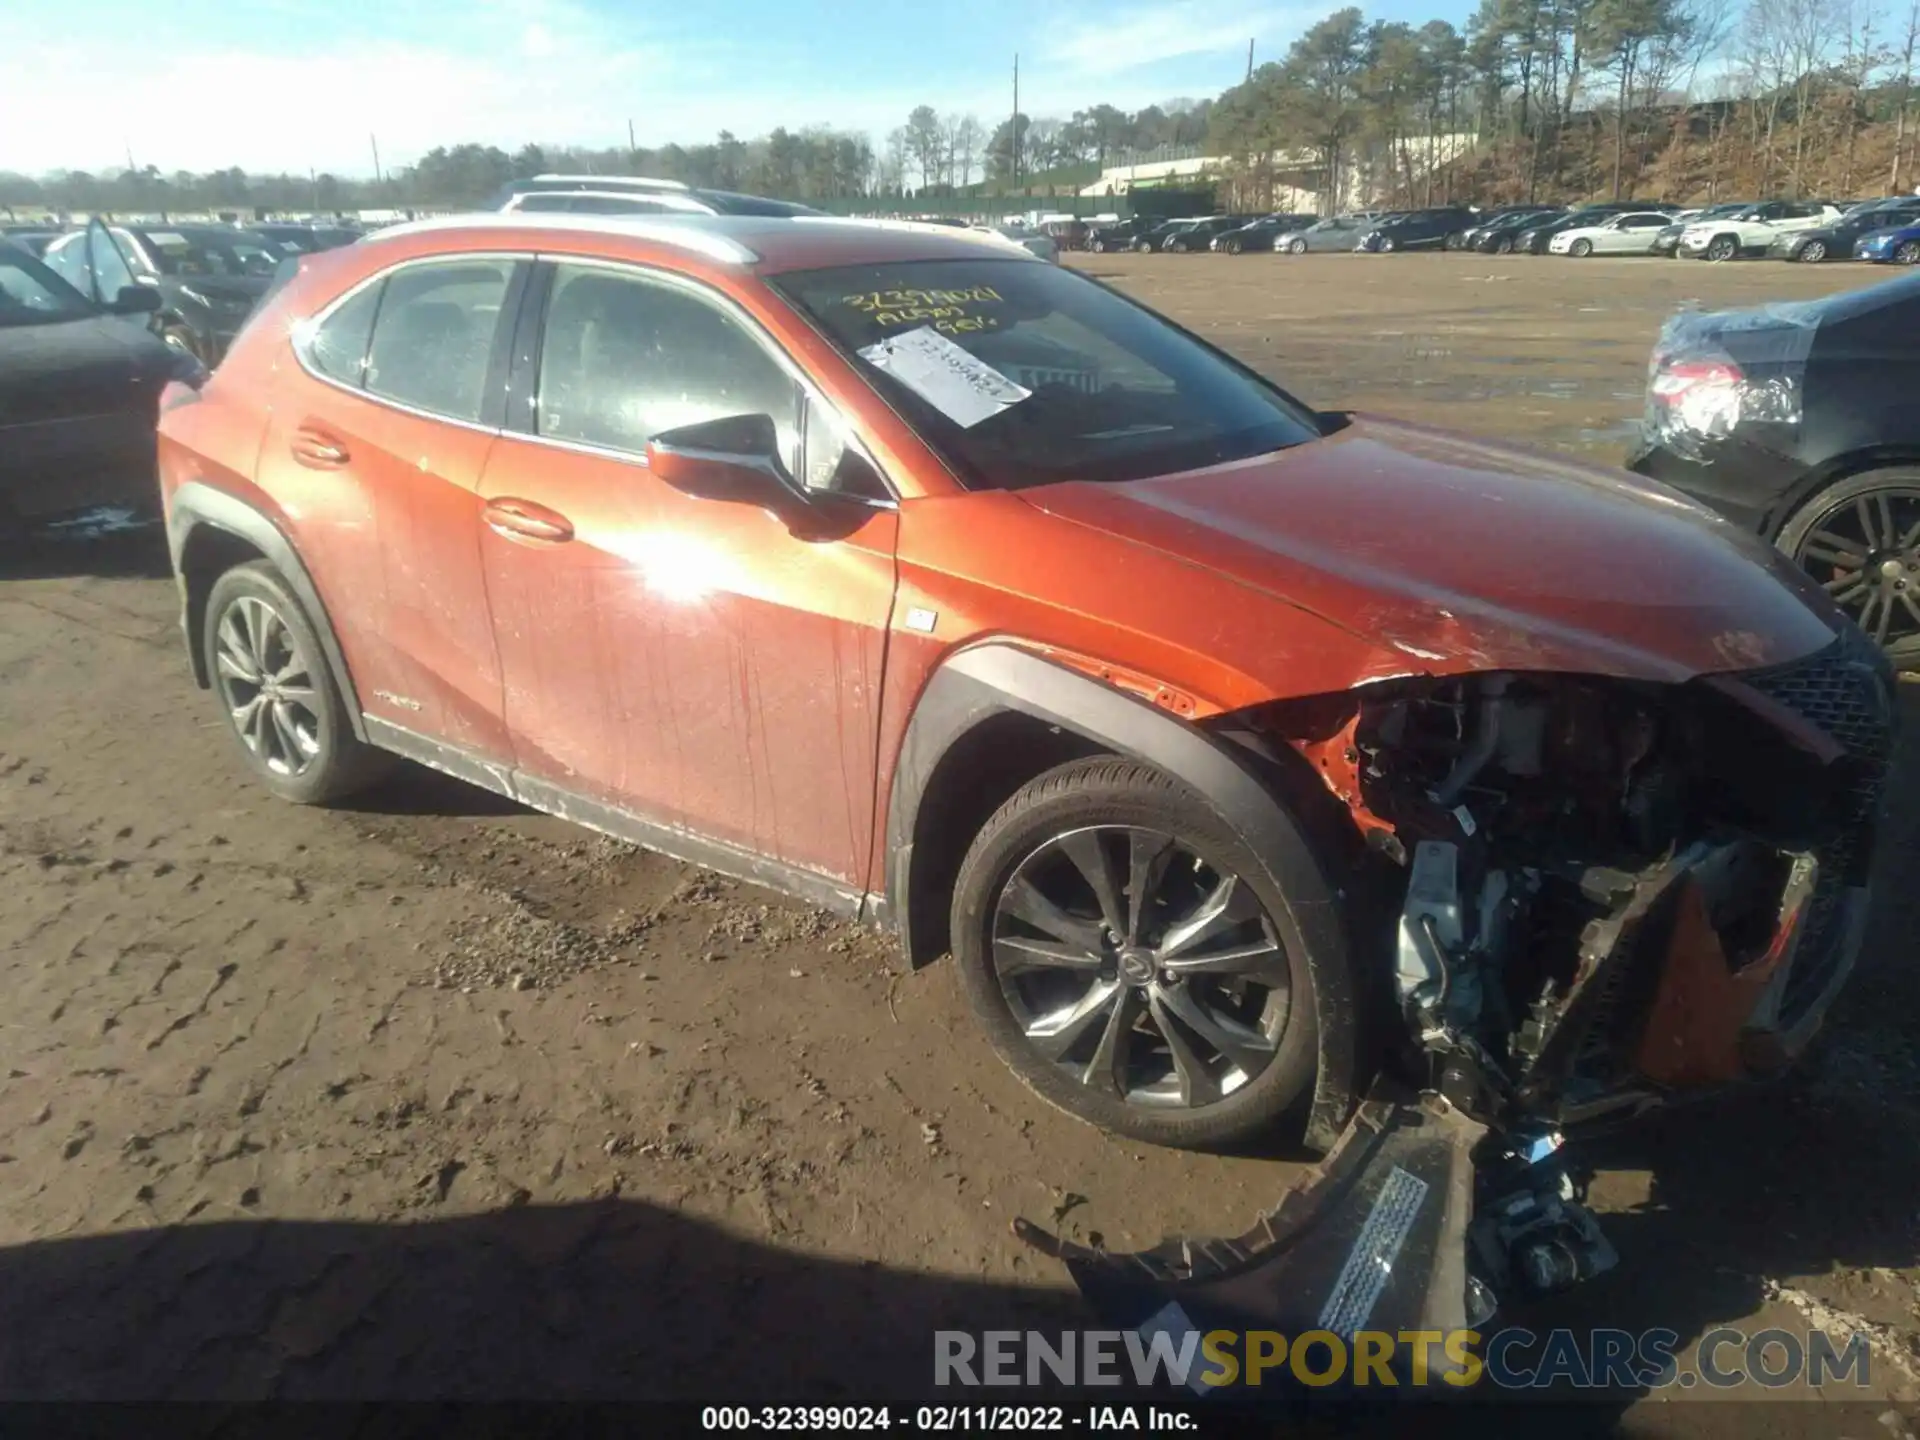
[1298, 177]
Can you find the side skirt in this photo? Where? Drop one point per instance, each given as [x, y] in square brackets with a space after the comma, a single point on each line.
[673, 841]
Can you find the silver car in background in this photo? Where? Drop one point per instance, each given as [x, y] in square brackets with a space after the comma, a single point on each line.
[1338, 232]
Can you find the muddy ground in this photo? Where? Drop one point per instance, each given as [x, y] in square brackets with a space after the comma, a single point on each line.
[436, 1096]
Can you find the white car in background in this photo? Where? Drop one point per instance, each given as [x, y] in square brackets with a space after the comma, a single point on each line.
[1035, 242]
[1752, 230]
[1630, 233]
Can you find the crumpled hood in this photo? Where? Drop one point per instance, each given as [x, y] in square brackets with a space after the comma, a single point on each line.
[1450, 554]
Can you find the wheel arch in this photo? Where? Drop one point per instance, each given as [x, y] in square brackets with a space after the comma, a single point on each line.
[1833, 471]
[209, 532]
[985, 700]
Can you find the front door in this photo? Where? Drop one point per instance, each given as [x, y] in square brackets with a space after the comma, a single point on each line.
[374, 455]
[689, 661]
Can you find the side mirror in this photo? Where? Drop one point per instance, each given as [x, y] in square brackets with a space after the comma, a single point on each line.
[136, 300]
[736, 458]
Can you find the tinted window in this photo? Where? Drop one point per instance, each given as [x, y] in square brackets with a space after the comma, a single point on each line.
[625, 358]
[31, 294]
[1025, 374]
[339, 347]
[434, 335]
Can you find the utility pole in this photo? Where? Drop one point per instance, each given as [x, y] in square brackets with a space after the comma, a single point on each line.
[374, 140]
[633, 150]
[1014, 124]
[1249, 60]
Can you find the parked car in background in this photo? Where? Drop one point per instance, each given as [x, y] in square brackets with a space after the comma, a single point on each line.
[1118, 234]
[1092, 657]
[33, 239]
[1496, 236]
[208, 276]
[1200, 234]
[1797, 422]
[1067, 234]
[1258, 236]
[1752, 230]
[1155, 237]
[1667, 242]
[1890, 245]
[1534, 238]
[80, 390]
[1629, 233]
[630, 195]
[1837, 241]
[302, 238]
[1037, 243]
[1336, 232]
[1480, 217]
[1416, 230]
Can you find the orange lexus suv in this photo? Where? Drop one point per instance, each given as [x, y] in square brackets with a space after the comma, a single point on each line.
[1238, 752]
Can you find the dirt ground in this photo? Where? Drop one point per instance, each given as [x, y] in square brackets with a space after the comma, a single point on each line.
[435, 1096]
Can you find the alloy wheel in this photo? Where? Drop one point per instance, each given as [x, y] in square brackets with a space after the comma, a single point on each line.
[1139, 969]
[1813, 252]
[265, 681]
[1908, 253]
[1866, 553]
[1298, 247]
[1721, 249]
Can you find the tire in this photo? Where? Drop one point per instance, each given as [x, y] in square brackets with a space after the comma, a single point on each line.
[1386, 245]
[252, 621]
[1273, 1027]
[1908, 253]
[1233, 247]
[1811, 253]
[1296, 247]
[1503, 244]
[1878, 593]
[1098, 247]
[1145, 247]
[1580, 249]
[1723, 249]
[1452, 242]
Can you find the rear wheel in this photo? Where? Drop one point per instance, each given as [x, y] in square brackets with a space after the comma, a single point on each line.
[1120, 946]
[1813, 252]
[1724, 247]
[282, 706]
[1860, 540]
[1580, 249]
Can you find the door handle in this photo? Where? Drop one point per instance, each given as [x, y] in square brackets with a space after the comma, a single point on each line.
[524, 520]
[318, 450]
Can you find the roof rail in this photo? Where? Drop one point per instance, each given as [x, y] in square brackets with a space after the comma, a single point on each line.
[683, 233]
[636, 181]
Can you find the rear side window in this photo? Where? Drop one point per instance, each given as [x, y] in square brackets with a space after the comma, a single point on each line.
[434, 334]
[338, 348]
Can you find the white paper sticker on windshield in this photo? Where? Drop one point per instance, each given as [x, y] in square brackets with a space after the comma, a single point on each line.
[960, 386]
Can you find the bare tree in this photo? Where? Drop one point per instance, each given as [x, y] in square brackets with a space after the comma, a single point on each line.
[1905, 61]
[963, 144]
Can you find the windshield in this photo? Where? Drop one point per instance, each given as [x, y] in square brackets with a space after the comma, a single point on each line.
[211, 253]
[31, 294]
[1022, 374]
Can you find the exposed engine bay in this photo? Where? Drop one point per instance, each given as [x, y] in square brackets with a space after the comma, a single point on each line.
[1583, 895]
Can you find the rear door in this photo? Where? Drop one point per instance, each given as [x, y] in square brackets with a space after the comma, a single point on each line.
[374, 453]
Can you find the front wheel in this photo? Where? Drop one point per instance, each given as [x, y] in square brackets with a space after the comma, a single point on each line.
[1125, 953]
[1386, 247]
[1908, 253]
[1812, 253]
[1233, 247]
[1297, 247]
[1580, 249]
[282, 706]
[1724, 248]
[1503, 245]
[1860, 540]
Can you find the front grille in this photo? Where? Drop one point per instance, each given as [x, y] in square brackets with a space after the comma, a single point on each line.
[1847, 690]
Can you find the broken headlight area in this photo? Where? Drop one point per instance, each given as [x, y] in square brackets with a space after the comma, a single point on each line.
[1608, 890]
[1580, 895]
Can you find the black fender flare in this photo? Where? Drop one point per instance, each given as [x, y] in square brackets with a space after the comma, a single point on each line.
[197, 505]
[986, 680]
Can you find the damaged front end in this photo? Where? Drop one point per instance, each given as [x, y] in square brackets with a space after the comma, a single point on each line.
[1589, 895]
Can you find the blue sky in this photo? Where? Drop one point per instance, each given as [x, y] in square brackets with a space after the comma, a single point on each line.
[288, 84]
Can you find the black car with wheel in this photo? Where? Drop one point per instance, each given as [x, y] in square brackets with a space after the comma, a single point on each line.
[1200, 235]
[1497, 234]
[1117, 234]
[1836, 242]
[79, 395]
[1258, 236]
[1416, 230]
[208, 276]
[1797, 422]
